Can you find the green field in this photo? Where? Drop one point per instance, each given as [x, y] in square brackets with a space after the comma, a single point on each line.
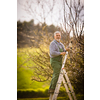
[24, 73]
[81, 97]
[59, 98]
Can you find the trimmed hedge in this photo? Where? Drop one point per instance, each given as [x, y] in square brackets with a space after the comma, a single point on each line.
[38, 94]
[31, 94]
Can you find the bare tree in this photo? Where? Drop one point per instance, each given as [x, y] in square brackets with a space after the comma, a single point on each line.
[73, 23]
[40, 10]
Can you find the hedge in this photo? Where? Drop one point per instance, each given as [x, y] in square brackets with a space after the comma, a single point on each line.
[38, 94]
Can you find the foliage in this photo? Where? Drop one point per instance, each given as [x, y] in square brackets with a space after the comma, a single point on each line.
[59, 98]
[33, 95]
[30, 35]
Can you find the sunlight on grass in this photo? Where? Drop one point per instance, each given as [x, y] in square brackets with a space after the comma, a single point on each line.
[59, 98]
[24, 73]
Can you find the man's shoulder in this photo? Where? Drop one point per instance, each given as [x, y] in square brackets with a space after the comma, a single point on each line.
[61, 43]
[53, 42]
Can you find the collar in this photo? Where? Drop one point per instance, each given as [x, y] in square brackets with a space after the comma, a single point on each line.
[56, 41]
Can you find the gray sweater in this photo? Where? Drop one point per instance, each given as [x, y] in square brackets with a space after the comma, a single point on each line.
[54, 49]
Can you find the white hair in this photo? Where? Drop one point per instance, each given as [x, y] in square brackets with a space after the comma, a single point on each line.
[56, 33]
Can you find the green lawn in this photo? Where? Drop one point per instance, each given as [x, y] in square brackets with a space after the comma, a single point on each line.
[59, 98]
[24, 73]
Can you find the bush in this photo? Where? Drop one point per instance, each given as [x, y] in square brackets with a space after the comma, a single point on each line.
[32, 94]
[41, 94]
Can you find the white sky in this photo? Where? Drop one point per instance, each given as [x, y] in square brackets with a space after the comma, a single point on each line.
[54, 18]
[21, 14]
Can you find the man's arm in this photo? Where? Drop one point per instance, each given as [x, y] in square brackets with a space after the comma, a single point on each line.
[67, 49]
[54, 50]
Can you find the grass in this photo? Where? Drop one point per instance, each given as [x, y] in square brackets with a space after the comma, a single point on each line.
[59, 98]
[24, 73]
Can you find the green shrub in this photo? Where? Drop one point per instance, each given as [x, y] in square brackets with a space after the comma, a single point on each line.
[32, 94]
[41, 95]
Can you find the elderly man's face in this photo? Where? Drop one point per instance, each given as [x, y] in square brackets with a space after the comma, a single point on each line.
[57, 37]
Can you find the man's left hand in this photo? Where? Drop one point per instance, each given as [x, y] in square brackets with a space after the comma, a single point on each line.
[67, 49]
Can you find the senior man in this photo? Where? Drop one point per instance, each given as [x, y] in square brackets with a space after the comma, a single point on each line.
[57, 50]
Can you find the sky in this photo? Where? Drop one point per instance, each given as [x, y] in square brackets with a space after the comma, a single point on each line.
[21, 14]
[53, 17]
[38, 12]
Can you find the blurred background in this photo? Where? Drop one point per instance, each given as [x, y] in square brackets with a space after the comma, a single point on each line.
[37, 20]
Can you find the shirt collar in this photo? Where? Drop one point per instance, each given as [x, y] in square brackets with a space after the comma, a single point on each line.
[56, 41]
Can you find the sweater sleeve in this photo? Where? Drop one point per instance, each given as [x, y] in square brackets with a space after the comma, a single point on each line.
[54, 51]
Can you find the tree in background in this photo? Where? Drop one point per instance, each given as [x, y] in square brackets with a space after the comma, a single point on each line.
[74, 21]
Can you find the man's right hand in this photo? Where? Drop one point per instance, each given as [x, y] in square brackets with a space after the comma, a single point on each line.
[63, 53]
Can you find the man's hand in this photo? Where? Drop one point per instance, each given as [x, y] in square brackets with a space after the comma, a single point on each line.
[63, 53]
[67, 49]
